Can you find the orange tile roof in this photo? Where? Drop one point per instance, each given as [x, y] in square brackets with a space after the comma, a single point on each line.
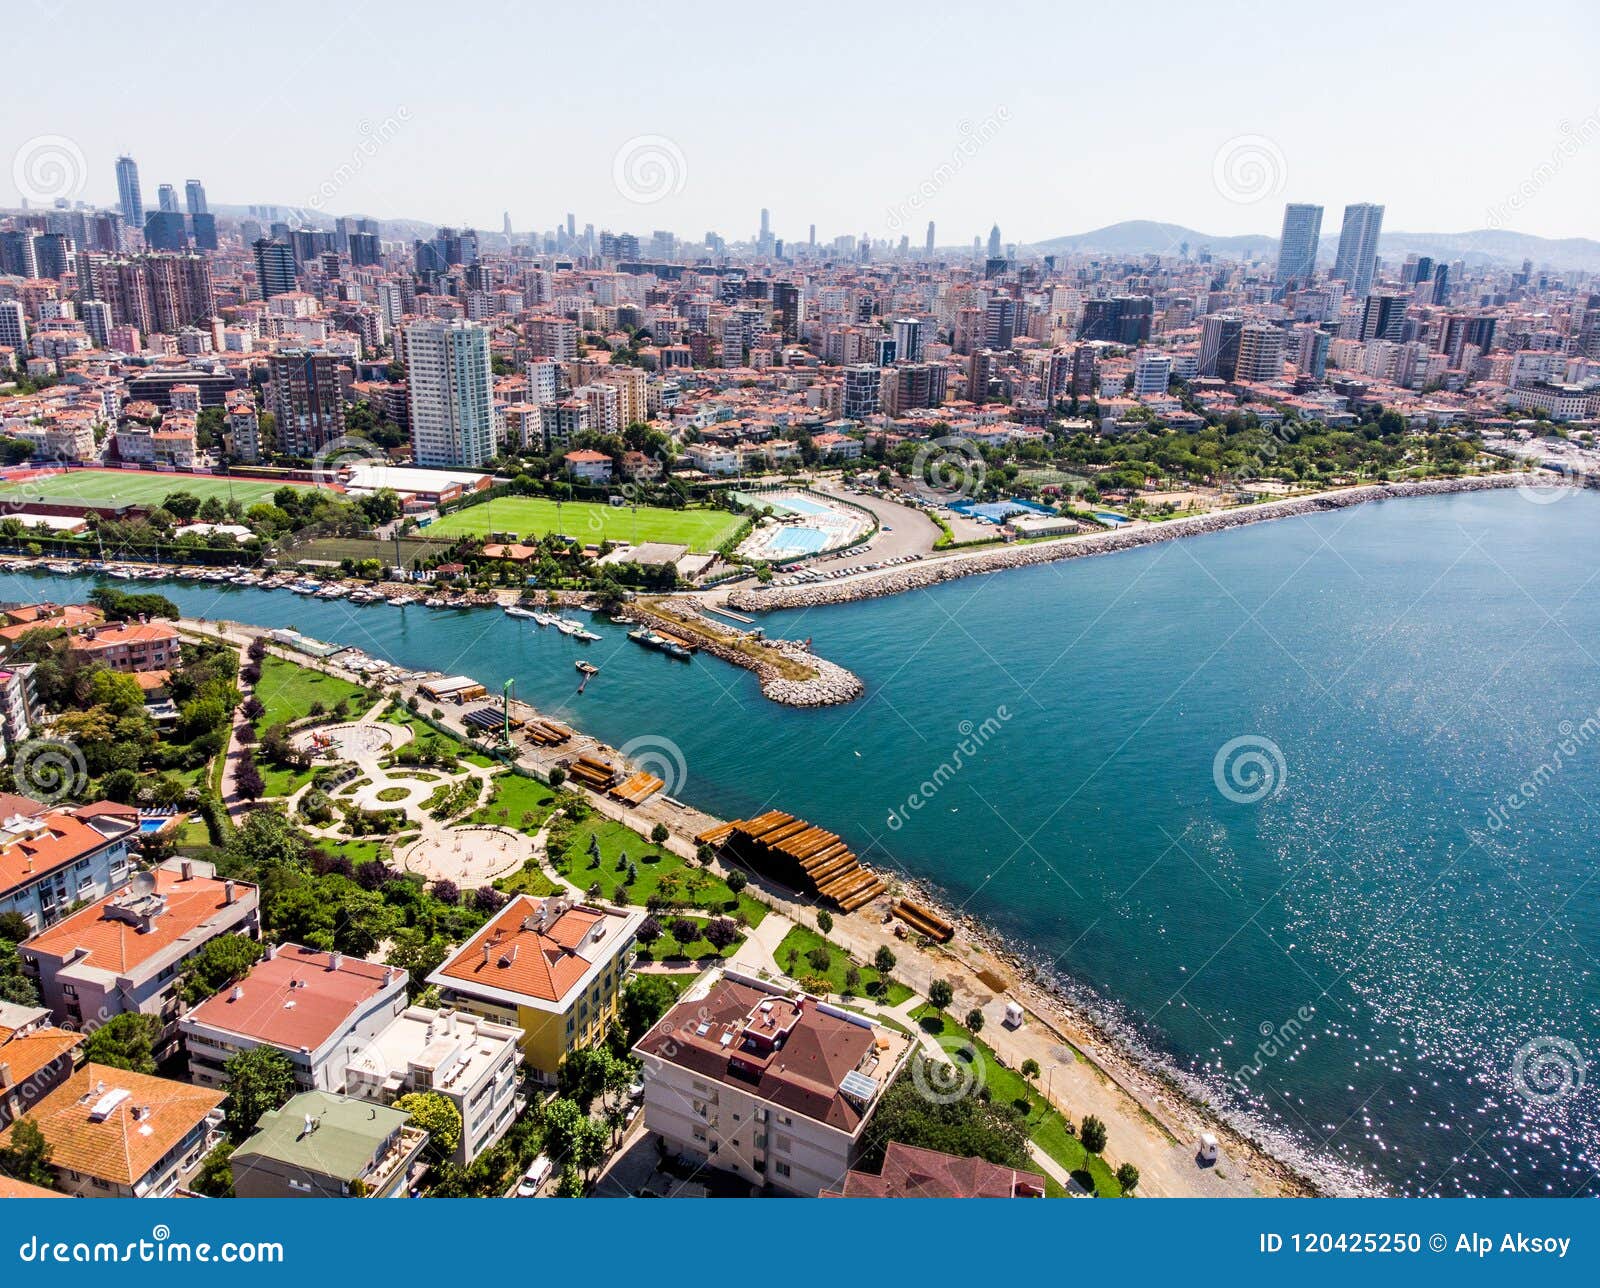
[60, 840]
[523, 959]
[120, 1148]
[295, 998]
[28, 1054]
[10, 1189]
[125, 633]
[115, 945]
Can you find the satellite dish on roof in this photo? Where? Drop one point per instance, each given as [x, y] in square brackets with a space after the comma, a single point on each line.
[144, 883]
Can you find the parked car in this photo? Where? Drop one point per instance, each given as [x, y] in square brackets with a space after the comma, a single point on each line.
[536, 1175]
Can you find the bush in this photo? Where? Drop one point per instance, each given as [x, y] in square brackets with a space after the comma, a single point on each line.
[1092, 1133]
[824, 920]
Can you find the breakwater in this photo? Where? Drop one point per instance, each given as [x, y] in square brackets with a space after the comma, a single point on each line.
[995, 559]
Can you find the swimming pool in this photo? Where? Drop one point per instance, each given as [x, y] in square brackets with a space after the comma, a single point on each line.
[801, 504]
[149, 825]
[1115, 520]
[998, 511]
[797, 541]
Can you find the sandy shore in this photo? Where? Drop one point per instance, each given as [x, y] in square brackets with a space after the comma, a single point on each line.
[932, 571]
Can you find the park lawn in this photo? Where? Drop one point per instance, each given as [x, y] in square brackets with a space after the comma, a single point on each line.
[1045, 1123]
[517, 801]
[531, 879]
[678, 980]
[357, 851]
[288, 690]
[133, 487]
[590, 521]
[681, 882]
[791, 955]
[668, 948]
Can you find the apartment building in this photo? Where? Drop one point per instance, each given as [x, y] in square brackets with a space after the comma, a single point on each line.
[129, 646]
[321, 1009]
[51, 859]
[766, 1082]
[469, 1060]
[549, 967]
[327, 1147]
[114, 1133]
[35, 1057]
[123, 953]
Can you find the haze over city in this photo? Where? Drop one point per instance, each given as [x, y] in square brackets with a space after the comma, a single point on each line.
[838, 114]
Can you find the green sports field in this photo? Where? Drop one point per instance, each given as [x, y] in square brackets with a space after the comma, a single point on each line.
[534, 516]
[129, 487]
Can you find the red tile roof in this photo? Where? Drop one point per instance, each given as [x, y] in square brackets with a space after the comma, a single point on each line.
[524, 959]
[299, 997]
[912, 1173]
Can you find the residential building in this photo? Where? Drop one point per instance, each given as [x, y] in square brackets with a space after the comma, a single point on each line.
[552, 968]
[766, 1082]
[306, 394]
[451, 385]
[35, 1057]
[51, 859]
[114, 1133]
[469, 1060]
[327, 1147]
[588, 466]
[862, 392]
[129, 646]
[1260, 353]
[274, 267]
[321, 1009]
[911, 1173]
[124, 952]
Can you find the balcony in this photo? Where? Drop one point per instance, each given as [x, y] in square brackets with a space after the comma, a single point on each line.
[393, 1165]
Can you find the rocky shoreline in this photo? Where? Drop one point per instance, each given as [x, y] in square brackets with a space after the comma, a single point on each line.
[933, 571]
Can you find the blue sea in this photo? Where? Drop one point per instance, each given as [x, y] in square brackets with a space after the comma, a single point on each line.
[1307, 809]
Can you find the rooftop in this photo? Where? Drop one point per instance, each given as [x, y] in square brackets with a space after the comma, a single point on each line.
[115, 1124]
[787, 1047]
[912, 1173]
[537, 950]
[34, 844]
[295, 998]
[442, 1050]
[149, 915]
[333, 1136]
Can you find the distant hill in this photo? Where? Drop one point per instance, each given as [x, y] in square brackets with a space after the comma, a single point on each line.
[1486, 245]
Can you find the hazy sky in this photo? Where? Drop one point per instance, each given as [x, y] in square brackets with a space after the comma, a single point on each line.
[1050, 118]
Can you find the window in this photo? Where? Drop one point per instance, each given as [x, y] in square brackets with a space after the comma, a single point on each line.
[781, 1168]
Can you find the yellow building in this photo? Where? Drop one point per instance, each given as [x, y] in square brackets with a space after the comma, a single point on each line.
[552, 968]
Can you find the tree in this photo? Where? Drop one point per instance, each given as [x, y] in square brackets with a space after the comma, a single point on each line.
[215, 1177]
[941, 993]
[650, 930]
[1128, 1178]
[258, 1080]
[721, 933]
[562, 1122]
[659, 833]
[586, 1073]
[570, 1184]
[884, 959]
[125, 1042]
[1030, 1069]
[1092, 1132]
[974, 1020]
[223, 960]
[14, 926]
[26, 1157]
[435, 1114]
[824, 920]
[965, 1126]
[645, 999]
[737, 881]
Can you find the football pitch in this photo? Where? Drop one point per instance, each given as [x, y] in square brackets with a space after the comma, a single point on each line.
[588, 521]
[130, 487]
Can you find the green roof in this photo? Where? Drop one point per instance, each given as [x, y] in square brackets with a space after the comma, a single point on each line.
[349, 1133]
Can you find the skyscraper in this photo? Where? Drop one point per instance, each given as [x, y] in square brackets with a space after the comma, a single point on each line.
[274, 267]
[929, 246]
[1358, 246]
[195, 193]
[167, 198]
[452, 393]
[128, 193]
[306, 398]
[1297, 244]
[994, 242]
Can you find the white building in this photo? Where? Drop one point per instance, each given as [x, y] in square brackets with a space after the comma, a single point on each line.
[451, 385]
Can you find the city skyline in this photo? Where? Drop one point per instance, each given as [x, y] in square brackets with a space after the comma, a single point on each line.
[967, 155]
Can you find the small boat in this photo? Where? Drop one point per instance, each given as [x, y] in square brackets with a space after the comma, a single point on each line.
[566, 627]
[588, 637]
[331, 592]
[588, 668]
[400, 601]
[621, 620]
[675, 650]
[513, 610]
[435, 602]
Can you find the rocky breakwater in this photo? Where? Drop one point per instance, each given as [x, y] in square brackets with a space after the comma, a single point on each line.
[789, 672]
[995, 558]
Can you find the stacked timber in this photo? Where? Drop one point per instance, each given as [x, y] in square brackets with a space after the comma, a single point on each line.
[801, 855]
[637, 788]
[547, 733]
